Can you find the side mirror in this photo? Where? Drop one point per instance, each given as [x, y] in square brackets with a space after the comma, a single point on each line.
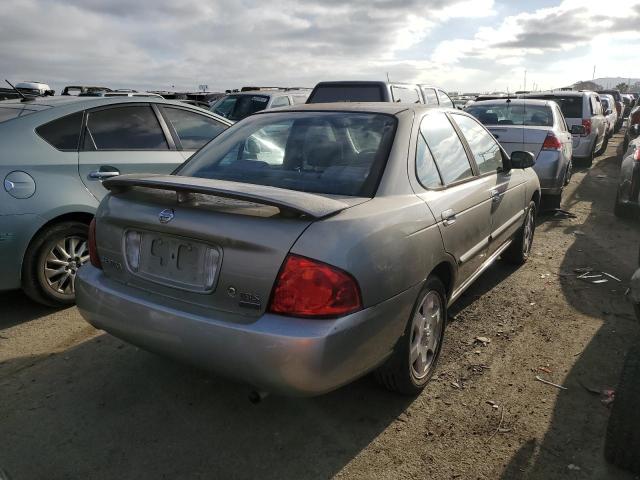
[522, 159]
[634, 130]
[578, 130]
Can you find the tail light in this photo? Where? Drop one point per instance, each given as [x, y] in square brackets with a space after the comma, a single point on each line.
[308, 288]
[551, 142]
[587, 127]
[94, 258]
[635, 118]
[636, 154]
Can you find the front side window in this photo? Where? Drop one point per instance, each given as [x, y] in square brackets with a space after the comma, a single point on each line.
[338, 153]
[405, 95]
[124, 128]
[485, 149]
[444, 99]
[194, 130]
[237, 107]
[446, 148]
[63, 133]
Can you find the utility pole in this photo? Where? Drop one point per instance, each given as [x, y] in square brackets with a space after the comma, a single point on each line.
[525, 80]
[593, 77]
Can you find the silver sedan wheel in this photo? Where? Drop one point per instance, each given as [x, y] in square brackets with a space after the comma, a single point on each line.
[527, 237]
[62, 262]
[426, 332]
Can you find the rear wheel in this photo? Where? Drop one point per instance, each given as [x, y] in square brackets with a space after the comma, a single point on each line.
[621, 210]
[518, 252]
[415, 356]
[52, 261]
[622, 443]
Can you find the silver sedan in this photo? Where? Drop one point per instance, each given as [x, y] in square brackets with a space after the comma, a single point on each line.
[303, 248]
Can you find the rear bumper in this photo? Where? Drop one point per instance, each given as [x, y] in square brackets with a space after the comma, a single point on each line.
[290, 356]
[551, 168]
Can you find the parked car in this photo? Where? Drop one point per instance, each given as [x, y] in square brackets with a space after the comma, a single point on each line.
[628, 193]
[327, 240]
[57, 152]
[365, 91]
[617, 96]
[581, 108]
[74, 90]
[627, 101]
[37, 89]
[634, 119]
[535, 126]
[435, 96]
[239, 105]
[609, 112]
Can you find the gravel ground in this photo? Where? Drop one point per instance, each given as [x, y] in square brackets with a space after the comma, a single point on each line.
[77, 404]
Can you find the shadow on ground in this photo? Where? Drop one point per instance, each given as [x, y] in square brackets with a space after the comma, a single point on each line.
[602, 242]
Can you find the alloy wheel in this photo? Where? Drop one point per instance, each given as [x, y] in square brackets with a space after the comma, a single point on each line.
[62, 263]
[426, 332]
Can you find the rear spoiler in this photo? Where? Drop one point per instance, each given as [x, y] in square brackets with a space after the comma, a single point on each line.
[289, 201]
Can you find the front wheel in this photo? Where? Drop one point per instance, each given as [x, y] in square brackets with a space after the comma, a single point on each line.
[416, 354]
[518, 252]
[51, 262]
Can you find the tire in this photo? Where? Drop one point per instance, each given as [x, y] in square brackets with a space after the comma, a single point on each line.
[603, 149]
[568, 174]
[518, 252]
[621, 210]
[622, 443]
[400, 373]
[40, 283]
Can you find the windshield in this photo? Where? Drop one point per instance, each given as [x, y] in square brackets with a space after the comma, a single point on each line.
[340, 153]
[237, 107]
[505, 113]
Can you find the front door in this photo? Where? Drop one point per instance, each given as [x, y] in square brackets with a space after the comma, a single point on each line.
[120, 139]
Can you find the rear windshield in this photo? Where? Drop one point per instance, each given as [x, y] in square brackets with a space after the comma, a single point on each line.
[340, 153]
[508, 114]
[237, 107]
[346, 93]
[9, 113]
[571, 105]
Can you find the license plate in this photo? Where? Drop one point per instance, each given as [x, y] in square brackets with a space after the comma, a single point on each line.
[178, 262]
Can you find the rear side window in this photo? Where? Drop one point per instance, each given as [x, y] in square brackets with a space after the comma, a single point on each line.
[444, 99]
[430, 97]
[426, 169]
[62, 133]
[298, 99]
[194, 130]
[485, 149]
[446, 148]
[124, 128]
[405, 95]
[346, 93]
[595, 106]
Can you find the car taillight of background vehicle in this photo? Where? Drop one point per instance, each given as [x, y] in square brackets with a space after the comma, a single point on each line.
[587, 127]
[636, 154]
[94, 258]
[635, 118]
[551, 143]
[308, 288]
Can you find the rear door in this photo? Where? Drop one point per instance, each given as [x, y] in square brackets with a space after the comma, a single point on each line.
[124, 138]
[190, 130]
[457, 197]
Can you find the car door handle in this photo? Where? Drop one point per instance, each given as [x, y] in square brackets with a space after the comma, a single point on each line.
[448, 217]
[495, 195]
[103, 175]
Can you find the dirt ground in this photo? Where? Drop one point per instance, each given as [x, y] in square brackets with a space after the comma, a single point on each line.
[79, 404]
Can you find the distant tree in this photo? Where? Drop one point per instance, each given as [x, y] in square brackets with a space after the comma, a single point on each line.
[623, 87]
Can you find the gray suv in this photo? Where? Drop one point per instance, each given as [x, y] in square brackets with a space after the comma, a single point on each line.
[305, 247]
[581, 108]
[56, 153]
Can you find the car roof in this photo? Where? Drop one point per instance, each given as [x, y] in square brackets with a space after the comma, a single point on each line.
[389, 108]
[561, 93]
[512, 101]
[40, 103]
[268, 93]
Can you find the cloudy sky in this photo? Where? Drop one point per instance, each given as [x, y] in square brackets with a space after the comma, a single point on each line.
[462, 45]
